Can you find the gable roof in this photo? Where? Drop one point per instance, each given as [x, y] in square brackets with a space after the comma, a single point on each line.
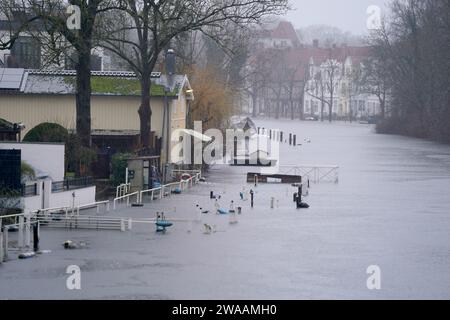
[103, 83]
[284, 30]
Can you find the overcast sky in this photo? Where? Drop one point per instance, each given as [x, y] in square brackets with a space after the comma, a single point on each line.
[348, 15]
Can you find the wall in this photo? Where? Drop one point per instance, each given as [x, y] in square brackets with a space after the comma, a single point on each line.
[32, 203]
[64, 198]
[47, 199]
[43, 157]
[107, 112]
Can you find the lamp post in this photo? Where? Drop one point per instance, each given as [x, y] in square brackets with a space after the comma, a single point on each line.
[170, 71]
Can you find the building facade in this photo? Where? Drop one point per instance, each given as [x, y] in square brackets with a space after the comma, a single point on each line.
[49, 96]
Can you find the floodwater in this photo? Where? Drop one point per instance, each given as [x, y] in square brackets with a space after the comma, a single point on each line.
[390, 209]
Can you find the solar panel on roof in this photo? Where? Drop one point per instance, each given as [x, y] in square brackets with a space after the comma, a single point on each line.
[11, 78]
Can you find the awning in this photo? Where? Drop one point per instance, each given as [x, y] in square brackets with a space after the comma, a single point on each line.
[197, 135]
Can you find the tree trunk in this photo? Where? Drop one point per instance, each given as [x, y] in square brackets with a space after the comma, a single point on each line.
[277, 110]
[330, 107]
[145, 112]
[292, 109]
[83, 97]
[254, 102]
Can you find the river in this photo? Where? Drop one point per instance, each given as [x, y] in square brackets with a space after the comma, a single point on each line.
[390, 208]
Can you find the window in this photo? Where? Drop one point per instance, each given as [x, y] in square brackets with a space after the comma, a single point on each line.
[26, 53]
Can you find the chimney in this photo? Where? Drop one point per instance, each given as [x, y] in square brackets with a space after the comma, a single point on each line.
[170, 68]
[316, 43]
[170, 62]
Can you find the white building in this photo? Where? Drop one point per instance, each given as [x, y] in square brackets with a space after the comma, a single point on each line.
[337, 80]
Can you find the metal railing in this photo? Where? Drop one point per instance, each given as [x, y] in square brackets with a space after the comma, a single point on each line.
[127, 198]
[161, 191]
[314, 173]
[72, 184]
[30, 190]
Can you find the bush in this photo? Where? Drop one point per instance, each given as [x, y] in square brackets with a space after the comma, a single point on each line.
[78, 158]
[47, 132]
[27, 172]
[118, 166]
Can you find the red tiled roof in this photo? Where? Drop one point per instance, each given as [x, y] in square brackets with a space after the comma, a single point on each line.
[299, 58]
[284, 30]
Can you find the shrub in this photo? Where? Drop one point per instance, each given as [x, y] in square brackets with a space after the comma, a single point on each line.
[27, 172]
[118, 166]
[47, 132]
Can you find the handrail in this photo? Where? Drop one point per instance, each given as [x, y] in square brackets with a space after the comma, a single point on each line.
[183, 184]
[127, 196]
[94, 204]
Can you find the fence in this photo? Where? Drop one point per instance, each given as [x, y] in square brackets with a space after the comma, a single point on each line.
[122, 189]
[30, 190]
[161, 191]
[82, 222]
[127, 197]
[315, 173]
[72, 184]
[24, 223]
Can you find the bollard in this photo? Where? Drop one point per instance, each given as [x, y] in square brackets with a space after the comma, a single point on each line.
[308, 183]
[5, 243]
[1, 245]
[130, 224]
[270, 134]
[281, 136]
[36, 236]
[256, 180]
[294, 140]
[239, 210]
[27, 232]
[272, 200]
[251, 198]
[259, 129]
[122, 225]
[20, 235]
[295, 197]
[290, 138]
[211, 194]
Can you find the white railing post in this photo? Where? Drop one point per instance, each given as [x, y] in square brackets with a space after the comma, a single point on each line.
[21, 229]
[5, 244]
[28, 231]
[122, 225]
[1, 245]
[130, 224]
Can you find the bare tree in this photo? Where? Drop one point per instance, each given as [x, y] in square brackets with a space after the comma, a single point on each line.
[47, 21]
[327, 81]
[154, 24]
[412, 54]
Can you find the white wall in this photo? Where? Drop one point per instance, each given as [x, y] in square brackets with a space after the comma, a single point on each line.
[43, 157]
[32, 203]
[64, 198]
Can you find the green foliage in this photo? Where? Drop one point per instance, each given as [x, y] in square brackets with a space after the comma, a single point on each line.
[47, 132]
[10, 203]
[78, 158]
[118, 166]
[120, 86]
[27, 171]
